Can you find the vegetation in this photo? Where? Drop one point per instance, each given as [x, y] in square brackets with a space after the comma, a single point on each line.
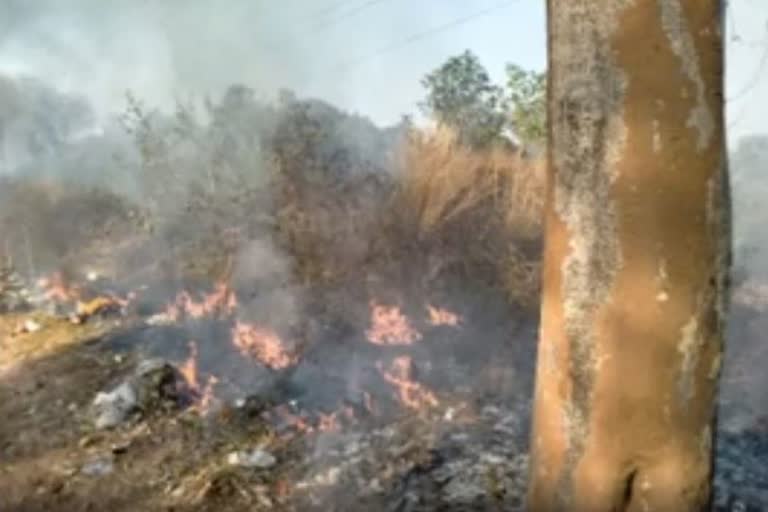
[461, 95]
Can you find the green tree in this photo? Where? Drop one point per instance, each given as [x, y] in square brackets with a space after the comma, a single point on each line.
[460, 94]
[526, 102]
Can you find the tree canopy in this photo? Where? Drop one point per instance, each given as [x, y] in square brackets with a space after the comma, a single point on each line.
[461, 94]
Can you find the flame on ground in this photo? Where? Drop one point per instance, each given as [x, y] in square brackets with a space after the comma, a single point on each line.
[221, 300]
[203, 399]
[412, 394]
[318, 422]
[263, 344]
[57, 288]
[439, 316]
[390, 327]
[99, 305]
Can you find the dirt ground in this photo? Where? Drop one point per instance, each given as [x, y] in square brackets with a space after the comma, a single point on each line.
[53, 459]
[169, 462]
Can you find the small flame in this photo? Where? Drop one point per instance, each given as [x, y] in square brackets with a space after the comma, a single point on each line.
[205, 398]
[101, 304]
[222, 300]
[57, 288]
[411, 393]
[263, 344]
[188, 368]
[439, 316]
[295, 421]
[329, 422]
[390, 327]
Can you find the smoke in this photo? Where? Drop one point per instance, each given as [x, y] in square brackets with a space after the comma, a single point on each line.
[173, 49]
[748, 163]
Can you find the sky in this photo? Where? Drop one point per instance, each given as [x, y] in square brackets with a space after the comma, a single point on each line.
[366, 56]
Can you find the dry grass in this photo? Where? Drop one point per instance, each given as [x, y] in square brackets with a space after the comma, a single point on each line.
[442, 180]
[446, 212]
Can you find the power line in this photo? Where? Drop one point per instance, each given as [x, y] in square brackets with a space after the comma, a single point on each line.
[348, 14]
[331, 8]
[754, 79]
[419, 36]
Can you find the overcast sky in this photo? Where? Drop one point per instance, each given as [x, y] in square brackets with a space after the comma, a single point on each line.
[366, 56]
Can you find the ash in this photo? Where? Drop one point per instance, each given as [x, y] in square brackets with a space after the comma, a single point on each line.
[445, 462]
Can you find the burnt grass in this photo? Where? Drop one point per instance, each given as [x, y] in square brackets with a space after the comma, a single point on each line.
[466, 454]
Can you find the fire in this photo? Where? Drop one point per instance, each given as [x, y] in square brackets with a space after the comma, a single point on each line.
[298, 423]
[58, 289]
[390, 327]
[263, 344]
[439, 316]
[313, 423]
[329, 422]
[207, 396]
[102, 304]
[221, 300]
[204, 398]
[188, 368]
[411, 393]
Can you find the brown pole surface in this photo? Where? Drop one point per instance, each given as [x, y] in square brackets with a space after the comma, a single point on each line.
[636, 258]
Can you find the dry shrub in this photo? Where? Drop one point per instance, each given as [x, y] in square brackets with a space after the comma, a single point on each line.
[442, 180]
[48, 223]
[480, 209]
[446, 214]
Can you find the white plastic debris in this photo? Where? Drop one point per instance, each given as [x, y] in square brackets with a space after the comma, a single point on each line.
[256, 458]
[29, 326]
[114, 407]
[98, 467]
[160, 319]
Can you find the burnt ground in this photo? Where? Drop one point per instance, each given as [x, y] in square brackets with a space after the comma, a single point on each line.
[174, 458]
[467, 453]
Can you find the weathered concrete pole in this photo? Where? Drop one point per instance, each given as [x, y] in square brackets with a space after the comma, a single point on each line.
[637, 255]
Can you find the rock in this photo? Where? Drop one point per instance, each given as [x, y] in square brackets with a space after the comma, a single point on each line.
[157, 384]
[114, 407]
[256, 458]
[153, 385]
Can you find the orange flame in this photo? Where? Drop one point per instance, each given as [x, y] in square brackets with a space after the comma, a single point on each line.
[411, 393]
[188, 368]
[57, 288]
[439, 316]
[101, 304]
[221, 300]
[203, 399]
[295, 421]
[390, 327]
[263, 344]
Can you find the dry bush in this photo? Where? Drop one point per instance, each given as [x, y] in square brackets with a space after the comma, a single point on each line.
[47, 223]
[442, 180]
[444, 213]
[479, 211]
